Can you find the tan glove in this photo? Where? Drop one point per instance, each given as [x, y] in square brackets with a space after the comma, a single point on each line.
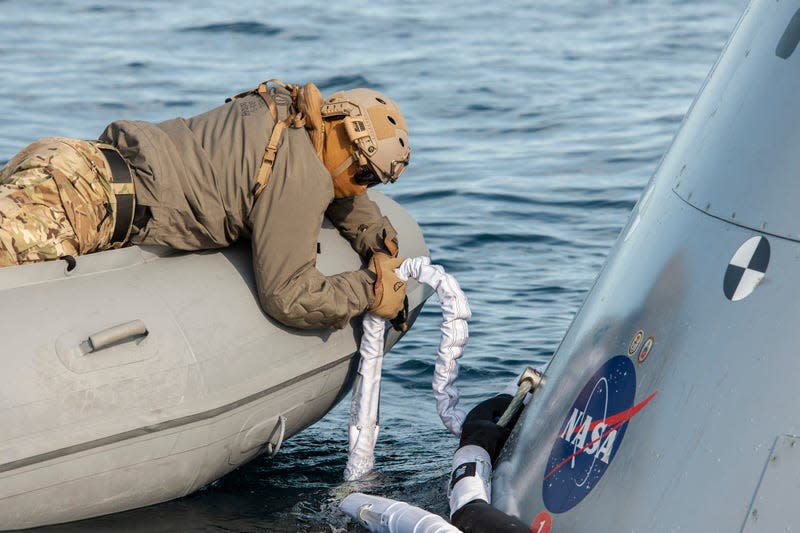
[390, 291]
[400, 322]
[390, 242]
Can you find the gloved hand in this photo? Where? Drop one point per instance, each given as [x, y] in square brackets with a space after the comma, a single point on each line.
[480, 427]
[390, 290]
[400, 322]
[390, 242]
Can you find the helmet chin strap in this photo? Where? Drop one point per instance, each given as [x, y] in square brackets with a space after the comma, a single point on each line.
[343, 184]
[344, 166]
[341, 159]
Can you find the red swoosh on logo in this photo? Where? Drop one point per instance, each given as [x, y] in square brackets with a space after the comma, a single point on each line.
[613, 421]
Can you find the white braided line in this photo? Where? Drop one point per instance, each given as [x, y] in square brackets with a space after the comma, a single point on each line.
[363, 428]
[454, 335]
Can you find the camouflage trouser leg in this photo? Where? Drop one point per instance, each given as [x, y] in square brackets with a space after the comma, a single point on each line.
[55, 200]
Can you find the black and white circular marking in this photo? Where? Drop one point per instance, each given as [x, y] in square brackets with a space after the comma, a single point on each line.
[746, 268]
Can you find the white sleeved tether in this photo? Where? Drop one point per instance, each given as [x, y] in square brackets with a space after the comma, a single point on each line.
[382, 515]
[363, 429]
[454, 335]
[471, 477]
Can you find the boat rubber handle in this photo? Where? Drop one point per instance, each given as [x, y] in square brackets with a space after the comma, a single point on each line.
[126, 331]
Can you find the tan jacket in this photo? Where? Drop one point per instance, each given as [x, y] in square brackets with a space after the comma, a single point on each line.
[197, 175]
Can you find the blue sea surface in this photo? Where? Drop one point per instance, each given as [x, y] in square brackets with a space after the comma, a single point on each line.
[535, 125]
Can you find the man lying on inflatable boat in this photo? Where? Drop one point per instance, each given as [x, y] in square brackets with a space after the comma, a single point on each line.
[266, 166]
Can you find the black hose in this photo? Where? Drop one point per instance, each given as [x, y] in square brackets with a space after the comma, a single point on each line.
[480, 517]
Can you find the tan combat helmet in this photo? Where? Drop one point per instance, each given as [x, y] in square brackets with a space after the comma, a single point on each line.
[376, 128]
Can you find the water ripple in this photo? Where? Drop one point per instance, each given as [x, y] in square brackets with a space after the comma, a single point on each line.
[246, 28]
[343, 82]
[534, 129]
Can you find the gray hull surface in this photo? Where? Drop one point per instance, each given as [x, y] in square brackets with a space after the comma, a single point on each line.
[146, 418]
[671, 404]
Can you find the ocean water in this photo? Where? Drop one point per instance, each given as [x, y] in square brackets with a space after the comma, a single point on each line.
[534, 126]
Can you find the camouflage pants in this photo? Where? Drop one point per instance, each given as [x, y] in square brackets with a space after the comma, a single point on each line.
[55, 200]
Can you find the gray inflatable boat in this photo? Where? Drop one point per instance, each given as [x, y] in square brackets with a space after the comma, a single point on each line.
[141, 375]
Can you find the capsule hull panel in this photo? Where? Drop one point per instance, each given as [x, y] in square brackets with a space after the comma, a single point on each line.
[678, 375]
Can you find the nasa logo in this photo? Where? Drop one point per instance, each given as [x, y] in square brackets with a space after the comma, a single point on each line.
[591, 434]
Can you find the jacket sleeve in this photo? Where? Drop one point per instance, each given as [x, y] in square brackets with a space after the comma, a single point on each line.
[285, 223]
[360, 221]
